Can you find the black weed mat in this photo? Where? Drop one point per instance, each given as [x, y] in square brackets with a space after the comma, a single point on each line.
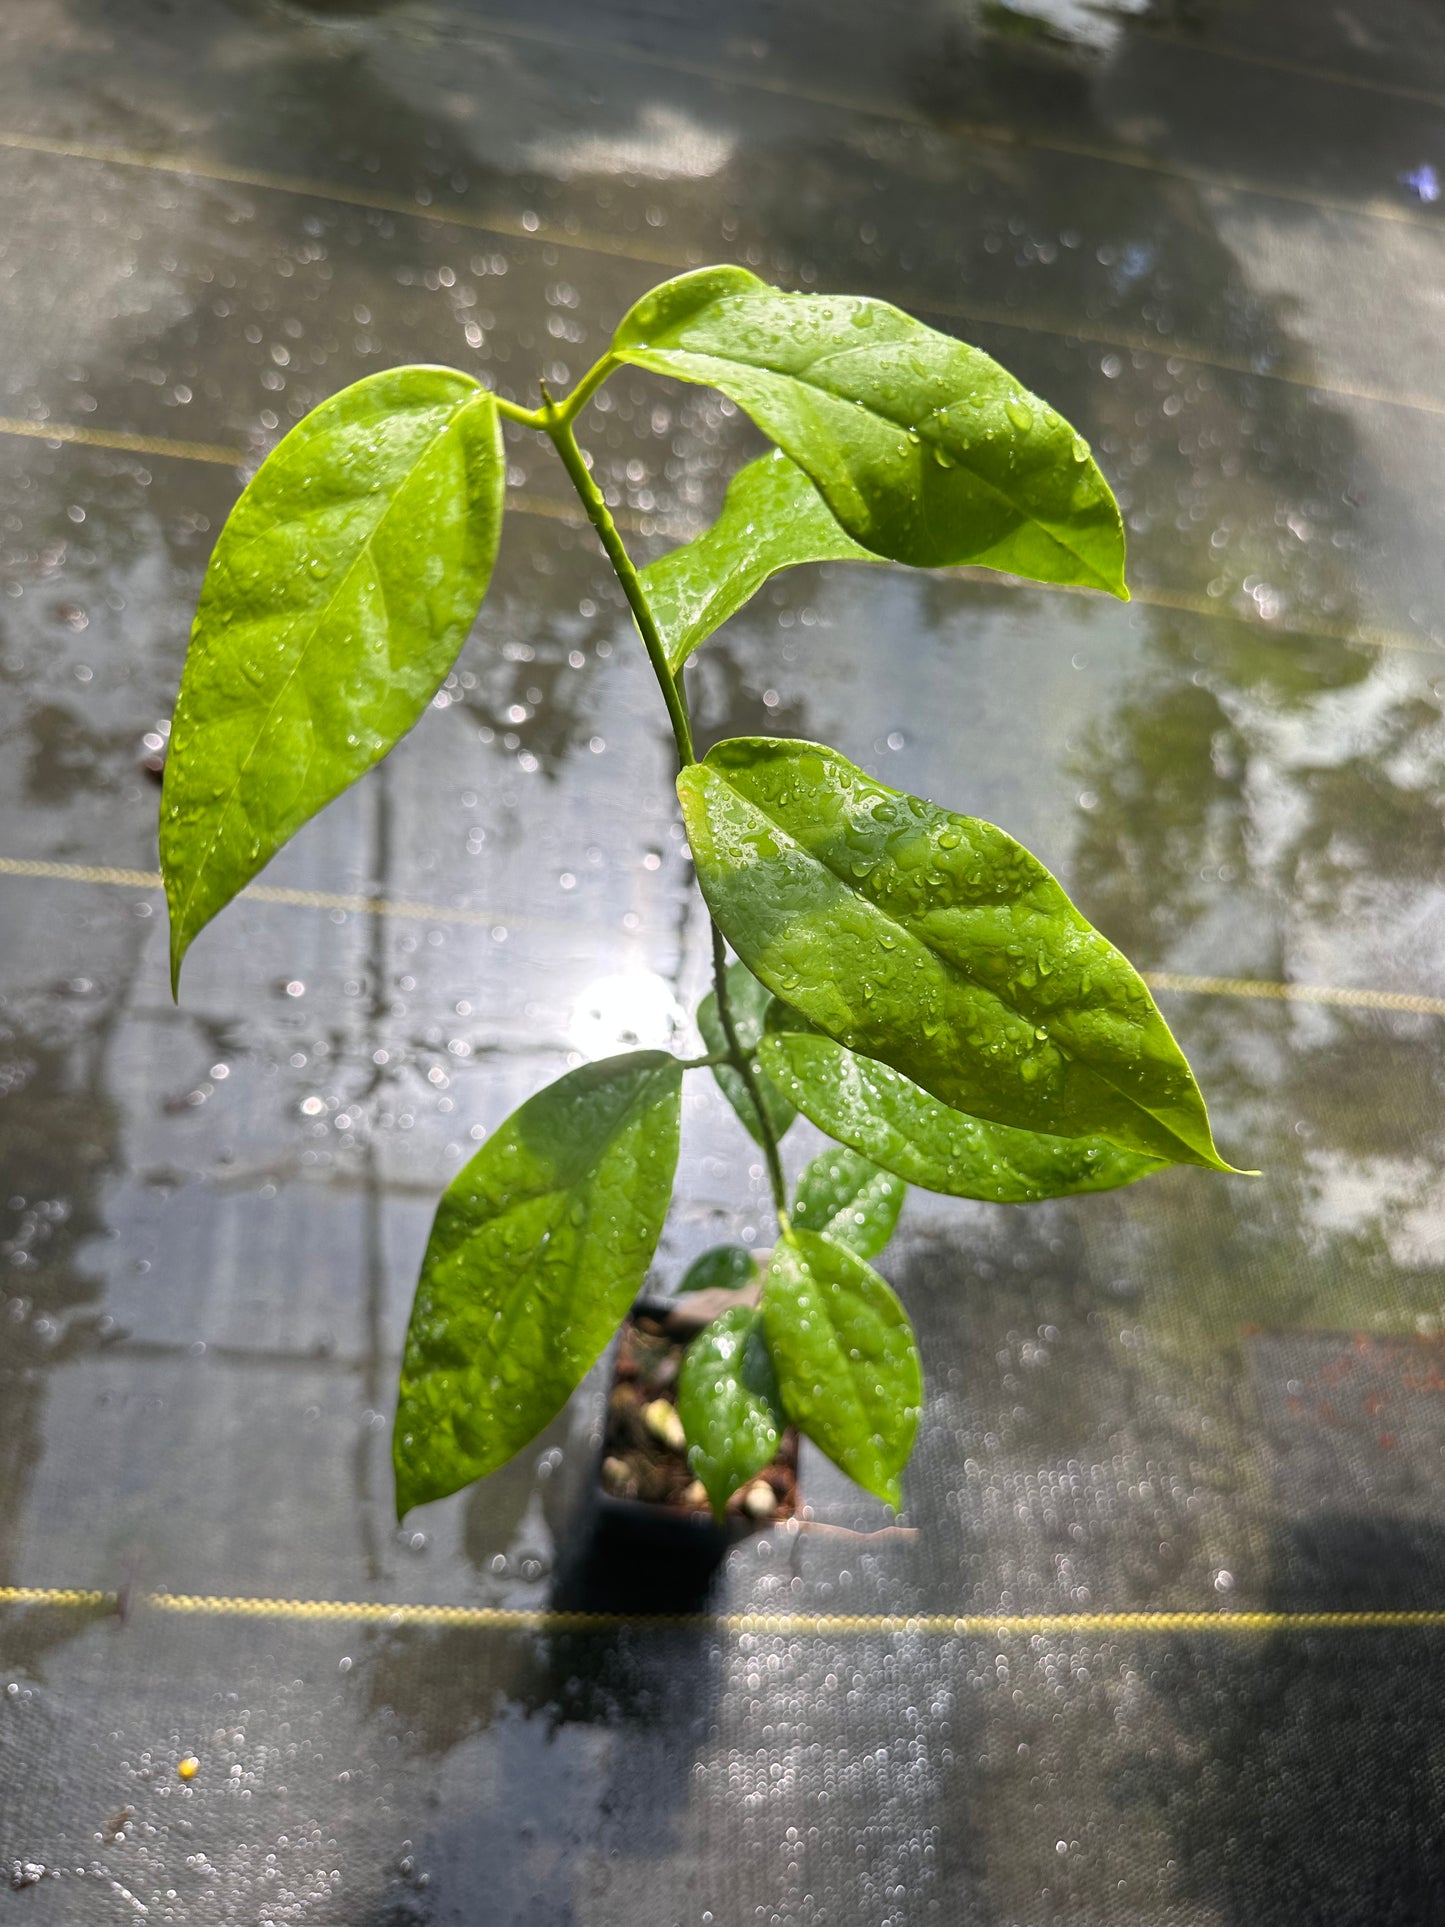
[1155, 1640]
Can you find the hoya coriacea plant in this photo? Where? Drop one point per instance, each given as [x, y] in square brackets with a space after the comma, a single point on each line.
[911, 980]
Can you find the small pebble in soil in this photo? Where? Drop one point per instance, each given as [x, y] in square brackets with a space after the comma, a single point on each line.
[615, 1475]
[760, 1501]
[645, 1460]
[662, 1421]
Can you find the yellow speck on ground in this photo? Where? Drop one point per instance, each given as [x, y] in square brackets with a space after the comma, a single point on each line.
[189, 1767]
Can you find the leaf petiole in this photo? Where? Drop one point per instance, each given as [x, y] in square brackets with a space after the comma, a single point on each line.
[571, 406]
[514, 412]
[558, 428]
[747, 1071]
[566, 410]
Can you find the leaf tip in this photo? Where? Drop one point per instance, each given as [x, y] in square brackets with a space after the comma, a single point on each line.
[1225, 1169]
[1108, 571]
[181, 931]
[718, 1492]
[1216, 1161]
[405, 1495]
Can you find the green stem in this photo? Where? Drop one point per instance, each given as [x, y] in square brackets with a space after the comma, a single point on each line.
[743, 1064]
[566, 410]
[555, 419]
[571, 406]
[559, 428]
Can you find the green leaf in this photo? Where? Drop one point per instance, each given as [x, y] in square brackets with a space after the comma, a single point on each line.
[877, 1111]
[539, 1246]
[924, 449]
[848, 1198]
[772, 518]
[938, 944]
[337, 597]
[727, 1399]
[724, 1268]
[748, 1003]
[845, 1357]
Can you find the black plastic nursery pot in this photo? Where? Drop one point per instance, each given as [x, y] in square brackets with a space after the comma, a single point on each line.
[645, 1537]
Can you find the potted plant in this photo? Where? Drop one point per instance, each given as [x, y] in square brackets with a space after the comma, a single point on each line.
[908, 978]
[646, 1476]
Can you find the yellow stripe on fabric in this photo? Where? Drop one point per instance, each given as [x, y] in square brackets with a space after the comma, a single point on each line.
[1167, 980]
[652, 255]
[1179, 601]
[736, 1625]
[1364, 635]
[56, 1596]
[185, 451]
[1295, 993]
[502, 226]
[1296, 69]
[1162, 348]
[270, 893]
[17, 866]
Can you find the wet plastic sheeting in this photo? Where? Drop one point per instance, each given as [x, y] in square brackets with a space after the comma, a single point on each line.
[1198, 1397]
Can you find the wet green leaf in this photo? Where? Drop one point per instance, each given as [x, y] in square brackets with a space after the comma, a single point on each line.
[724, 1268]
[938, 944]
[337, 597]
[845, 1357]
[748, 1001]
[539, 1246]
[772, 518]
[924, 449]
[727, 1399]
[849, 1199]
[877, 1111]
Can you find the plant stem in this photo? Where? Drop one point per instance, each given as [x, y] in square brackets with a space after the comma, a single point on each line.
[565, 442]
[571, 406]
[746, 1070]
[556, 421]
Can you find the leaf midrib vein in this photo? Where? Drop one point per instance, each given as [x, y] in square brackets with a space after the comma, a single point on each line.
[805, 381]
[584, 1188]
[914, 1141]
[951, 965]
